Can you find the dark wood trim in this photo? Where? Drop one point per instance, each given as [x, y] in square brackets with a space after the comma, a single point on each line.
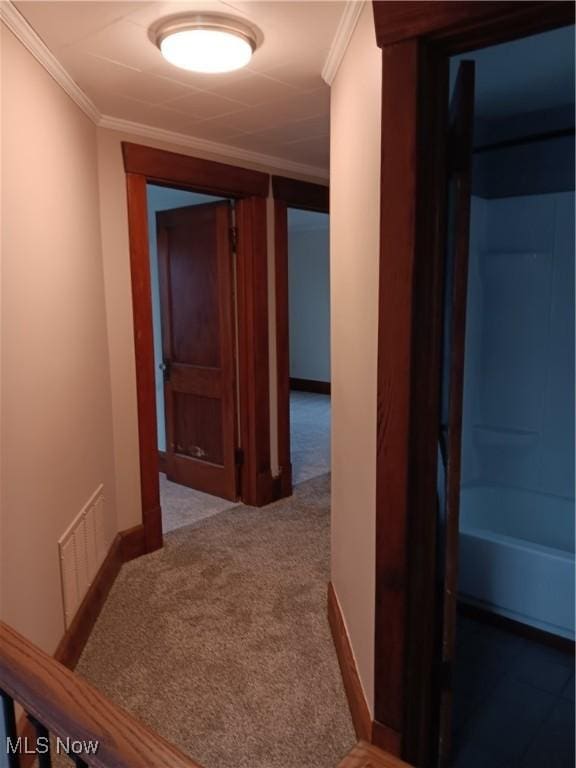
[144, 353]
[386, 738]
[282, 343]
[359, 708]
[429, 245]
[528, 139]
[417, 38]
[200, 175]
[397, 250]
[463, 26]
[127, 545]
[536, 635]
[146, 164]
[310, 385]
[76, 636]
[288, 193]
[132, 543]
[301, 194]
[162, 461]
[257, 487]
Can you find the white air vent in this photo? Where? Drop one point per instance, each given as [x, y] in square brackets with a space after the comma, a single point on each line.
[83, 547]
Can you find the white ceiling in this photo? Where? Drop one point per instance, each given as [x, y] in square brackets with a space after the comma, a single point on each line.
[277, 106]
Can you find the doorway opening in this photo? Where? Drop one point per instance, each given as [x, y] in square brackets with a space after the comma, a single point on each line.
[513, 670]
[192, 271]
[309, 343]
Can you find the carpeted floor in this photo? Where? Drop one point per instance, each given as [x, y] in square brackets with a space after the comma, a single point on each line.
[220, 641]
[183, 506]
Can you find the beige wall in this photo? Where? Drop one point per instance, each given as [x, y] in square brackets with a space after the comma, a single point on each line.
[354, 243]
[57, 442]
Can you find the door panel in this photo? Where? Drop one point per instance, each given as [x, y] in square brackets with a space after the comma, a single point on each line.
[197, 308]
[452, 385]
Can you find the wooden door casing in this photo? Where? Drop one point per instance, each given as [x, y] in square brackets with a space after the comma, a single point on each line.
[198, 341]
[460, 137]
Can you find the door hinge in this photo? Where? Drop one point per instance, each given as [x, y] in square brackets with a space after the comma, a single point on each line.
[239, 455]
[234, 238]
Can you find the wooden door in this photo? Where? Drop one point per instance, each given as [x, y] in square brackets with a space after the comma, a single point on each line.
[459, 156]
[198, 340]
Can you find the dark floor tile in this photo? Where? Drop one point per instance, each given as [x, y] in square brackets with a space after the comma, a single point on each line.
[538, 669]
[506, 722]
[568, 690]
[491, 647]
[463, 710]
[553, 745]
[473, 755]
[553, 655]
[475, 682]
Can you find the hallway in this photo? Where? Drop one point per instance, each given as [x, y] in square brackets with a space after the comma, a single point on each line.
[220, 641]
[310, 435]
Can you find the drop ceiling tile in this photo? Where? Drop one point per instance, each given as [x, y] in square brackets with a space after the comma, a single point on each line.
[250, 119]
[96, 75]
[300, 76]
[290, 131]
[254, 90]
[197, 80]
[148, 13]
[136, 111]
[65, 22]
[203, 105]
[121, 42]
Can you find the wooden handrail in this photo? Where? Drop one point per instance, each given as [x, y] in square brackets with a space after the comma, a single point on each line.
[69, 707]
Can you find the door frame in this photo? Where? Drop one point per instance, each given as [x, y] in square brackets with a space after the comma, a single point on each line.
[288, 193]
[249, 189]
[417, 39]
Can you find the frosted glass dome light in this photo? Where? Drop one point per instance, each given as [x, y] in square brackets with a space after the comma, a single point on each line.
[205, 44]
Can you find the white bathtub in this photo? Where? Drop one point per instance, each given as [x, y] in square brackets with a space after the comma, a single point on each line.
[517, 555]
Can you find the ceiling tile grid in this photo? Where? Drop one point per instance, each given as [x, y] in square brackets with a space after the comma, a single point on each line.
[278, 105]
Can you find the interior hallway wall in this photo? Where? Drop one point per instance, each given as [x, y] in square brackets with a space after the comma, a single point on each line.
[57, 439]
[355, 248]
[309, 294]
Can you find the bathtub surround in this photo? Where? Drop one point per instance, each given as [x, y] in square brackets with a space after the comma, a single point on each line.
[517, 509]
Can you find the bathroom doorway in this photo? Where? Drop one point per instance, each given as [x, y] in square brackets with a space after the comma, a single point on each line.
[509, 557]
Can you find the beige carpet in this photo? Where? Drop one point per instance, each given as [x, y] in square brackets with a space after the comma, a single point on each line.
[220, 641]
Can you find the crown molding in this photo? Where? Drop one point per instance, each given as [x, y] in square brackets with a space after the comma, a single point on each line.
[14, 20]
[17, 24]
[344, 32]
[224, 151]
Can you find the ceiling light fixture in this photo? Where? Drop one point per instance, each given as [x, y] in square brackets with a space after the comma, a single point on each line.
[207, 43]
